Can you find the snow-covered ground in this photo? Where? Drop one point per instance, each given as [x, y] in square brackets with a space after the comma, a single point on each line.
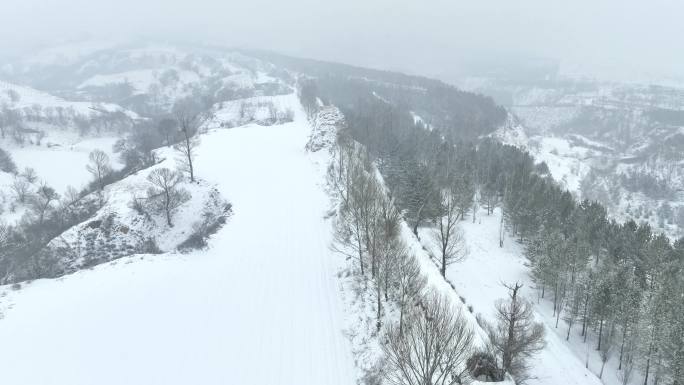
[62, 158]
[568, 162]
[261, 306]
[18, 97]
[479, 279]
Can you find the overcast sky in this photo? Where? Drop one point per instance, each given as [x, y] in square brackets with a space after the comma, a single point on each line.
[609, 38]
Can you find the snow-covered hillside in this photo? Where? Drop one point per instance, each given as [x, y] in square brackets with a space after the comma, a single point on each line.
[619, 144]
[205, 317]
[268, 301]
[25, 98]
[480, 278]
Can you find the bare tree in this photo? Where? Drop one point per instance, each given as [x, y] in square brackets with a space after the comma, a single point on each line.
[433, 347]
[516, 337]
[166, 192]
[357, 231]
[410, 284]
[188, 122]
[349, 236]
[389, 250]
[21, 188]
[447, 232]
[71, 196]
[99, 167]
[42, 201]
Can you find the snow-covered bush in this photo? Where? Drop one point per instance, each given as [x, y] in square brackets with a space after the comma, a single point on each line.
[211, 221]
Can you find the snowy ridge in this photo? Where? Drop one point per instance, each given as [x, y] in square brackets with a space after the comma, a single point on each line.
[206, 317]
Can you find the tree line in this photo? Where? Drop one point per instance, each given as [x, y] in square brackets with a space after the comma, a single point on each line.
[621, 281]
[428, 328]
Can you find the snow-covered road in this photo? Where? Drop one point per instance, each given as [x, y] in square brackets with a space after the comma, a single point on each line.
[261, 306]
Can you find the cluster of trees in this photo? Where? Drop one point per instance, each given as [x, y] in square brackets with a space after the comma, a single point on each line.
[367, 231]
[18, 124]
[622, 281]
[604, 276]
[24, 245]
[434, 182]
[457, 113]
[177, 130]
[429, 328]
[651, 185]
[25, 254]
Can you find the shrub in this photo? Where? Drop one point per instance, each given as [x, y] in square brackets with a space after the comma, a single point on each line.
[203, 229]
[482, 367]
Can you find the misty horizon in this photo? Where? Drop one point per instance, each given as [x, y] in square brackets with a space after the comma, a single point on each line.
[614, 41]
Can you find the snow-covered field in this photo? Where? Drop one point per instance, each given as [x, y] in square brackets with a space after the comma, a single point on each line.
[28, 97]
[261, 306]
[63, 163]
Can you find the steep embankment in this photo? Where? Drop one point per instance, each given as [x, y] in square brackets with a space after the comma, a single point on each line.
[261, 306]
[480, 278]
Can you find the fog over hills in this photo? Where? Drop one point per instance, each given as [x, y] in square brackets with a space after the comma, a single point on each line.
[612, 40]
[370, 193]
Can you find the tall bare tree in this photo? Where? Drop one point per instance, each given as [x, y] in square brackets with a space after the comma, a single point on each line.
[42, 201]
[431, 349]
[410, 284]
[447, 232]
[188, 123]
[99, 167]
[358, 192]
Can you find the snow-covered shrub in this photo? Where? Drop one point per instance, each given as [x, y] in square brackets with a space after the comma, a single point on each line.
[211, 221]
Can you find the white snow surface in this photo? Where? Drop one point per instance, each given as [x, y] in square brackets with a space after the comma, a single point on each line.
[479, 280]
[61, 161]
[28, 97]
[261, 306]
